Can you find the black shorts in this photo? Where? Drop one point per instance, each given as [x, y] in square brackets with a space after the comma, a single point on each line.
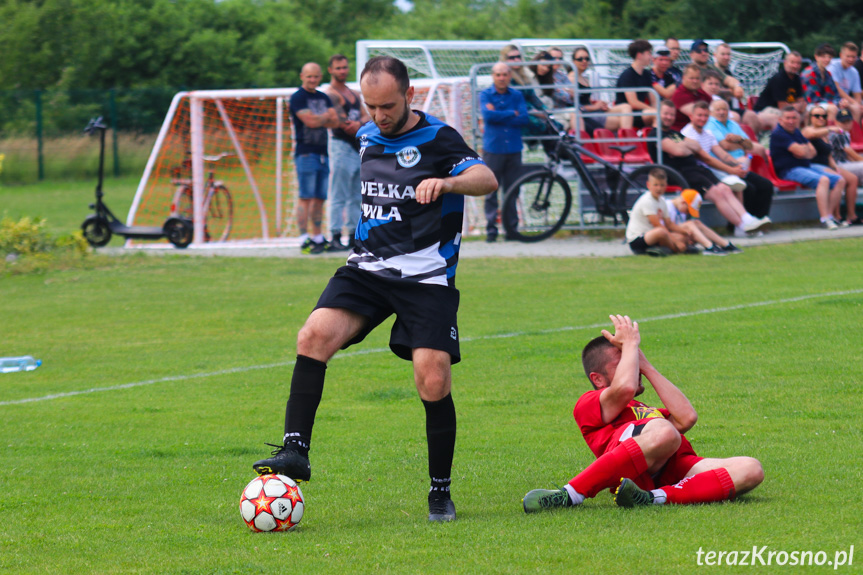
[426, 315]
[699, 178]
[638, 245]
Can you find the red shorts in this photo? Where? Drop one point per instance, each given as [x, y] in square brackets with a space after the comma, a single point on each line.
[675, 469]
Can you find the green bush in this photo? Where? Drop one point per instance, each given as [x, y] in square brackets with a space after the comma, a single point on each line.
[26, 247]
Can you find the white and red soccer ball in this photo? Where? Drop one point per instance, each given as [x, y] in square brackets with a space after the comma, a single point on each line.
[272, 503]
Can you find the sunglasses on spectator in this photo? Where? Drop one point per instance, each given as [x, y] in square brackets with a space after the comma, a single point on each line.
[701, 50]
[514, 57]
[821, 116]
[581, 59]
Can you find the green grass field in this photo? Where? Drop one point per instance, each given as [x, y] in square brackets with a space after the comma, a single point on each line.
[164, 376]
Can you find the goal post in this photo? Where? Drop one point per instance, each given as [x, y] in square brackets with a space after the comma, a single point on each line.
[241, 141]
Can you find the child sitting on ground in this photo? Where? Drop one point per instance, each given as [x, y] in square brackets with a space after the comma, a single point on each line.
[649, 230]
[687, 203]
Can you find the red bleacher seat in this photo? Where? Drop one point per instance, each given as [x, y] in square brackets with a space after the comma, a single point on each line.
[856, 137]
[605, 151]
[585, 140]
[765, 169]
[750, 133]
[640, 154]
[750, 102]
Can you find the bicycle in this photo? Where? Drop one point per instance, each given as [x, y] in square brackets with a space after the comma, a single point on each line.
[218, 206]
[539, 201]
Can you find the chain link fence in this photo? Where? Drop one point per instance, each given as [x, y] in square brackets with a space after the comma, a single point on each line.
[42, 137]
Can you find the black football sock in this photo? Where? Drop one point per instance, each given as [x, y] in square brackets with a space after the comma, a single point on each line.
[307, 387]
[440, 433]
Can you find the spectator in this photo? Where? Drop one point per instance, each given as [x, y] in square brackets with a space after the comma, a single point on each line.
[504, 112]
[562, 95]
[682, 154]
[638, 76]
[521, 75]
[673, 46]
[738, 105]
[729, 171]
[687, 93]
[312, 113]
[345, 197]
[663, 80]
[687, 203]
[711, 84]
[822, 137]
[782, 88]
[700, 56]
[847, 78]
[646, 231]
[848, 158]
[526, 83]
[544, 74]
[792, 154]
[730, 135]
[757, 192]
[818, 85]
[587, 102]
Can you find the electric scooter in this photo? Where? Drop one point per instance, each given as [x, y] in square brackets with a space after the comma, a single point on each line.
[99, 227]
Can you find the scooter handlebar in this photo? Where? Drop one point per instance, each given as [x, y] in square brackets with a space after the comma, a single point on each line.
[95, 124]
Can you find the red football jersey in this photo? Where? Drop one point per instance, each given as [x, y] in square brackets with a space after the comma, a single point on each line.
[588, 416]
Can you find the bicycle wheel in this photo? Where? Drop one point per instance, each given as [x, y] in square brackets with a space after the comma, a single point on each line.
[219, 211]
[538, 203]
[633, 184]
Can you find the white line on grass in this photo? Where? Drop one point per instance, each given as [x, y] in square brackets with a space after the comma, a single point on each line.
[466, 339]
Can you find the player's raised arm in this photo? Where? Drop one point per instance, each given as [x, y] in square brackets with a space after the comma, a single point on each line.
[683, 415]
[625, 382]
[477, 180]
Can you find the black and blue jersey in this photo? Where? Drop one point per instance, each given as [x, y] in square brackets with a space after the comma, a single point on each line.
[397, 237]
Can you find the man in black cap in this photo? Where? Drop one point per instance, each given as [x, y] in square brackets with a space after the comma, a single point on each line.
[663, 79]
[699, 53]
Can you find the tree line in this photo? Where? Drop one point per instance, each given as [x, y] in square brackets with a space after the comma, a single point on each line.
[193, 44]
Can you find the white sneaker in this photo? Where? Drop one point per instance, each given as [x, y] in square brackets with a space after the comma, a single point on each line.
[757, 224]
[830, 224]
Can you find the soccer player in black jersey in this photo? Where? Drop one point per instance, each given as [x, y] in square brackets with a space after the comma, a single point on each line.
[415, 173]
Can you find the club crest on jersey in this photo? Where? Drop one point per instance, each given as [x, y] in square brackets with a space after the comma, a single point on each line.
[408, 157]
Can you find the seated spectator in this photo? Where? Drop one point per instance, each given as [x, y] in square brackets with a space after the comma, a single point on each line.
[687, 93]
[524, 82]
[727, 169]
[823, 137]
[711, 84]
[847, 158]
[521, 75]
[682, 154]
[737, 105]
[544, 74]
[754, 191]
[792, 154]
[563, 95]
[847, 78]
[758, 194]
[673, 46]
[782, 88]
[589, 102]
[638, 76]
[648, 231]
[687, 203]
[663, 80]
[818, 85]
[699, 53]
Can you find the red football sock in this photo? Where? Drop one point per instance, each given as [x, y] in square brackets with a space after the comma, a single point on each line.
[625, 460]
[706, 487]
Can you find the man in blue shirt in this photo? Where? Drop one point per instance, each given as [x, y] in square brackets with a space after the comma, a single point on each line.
[504, 112]
[791, 152]
[847, 78]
